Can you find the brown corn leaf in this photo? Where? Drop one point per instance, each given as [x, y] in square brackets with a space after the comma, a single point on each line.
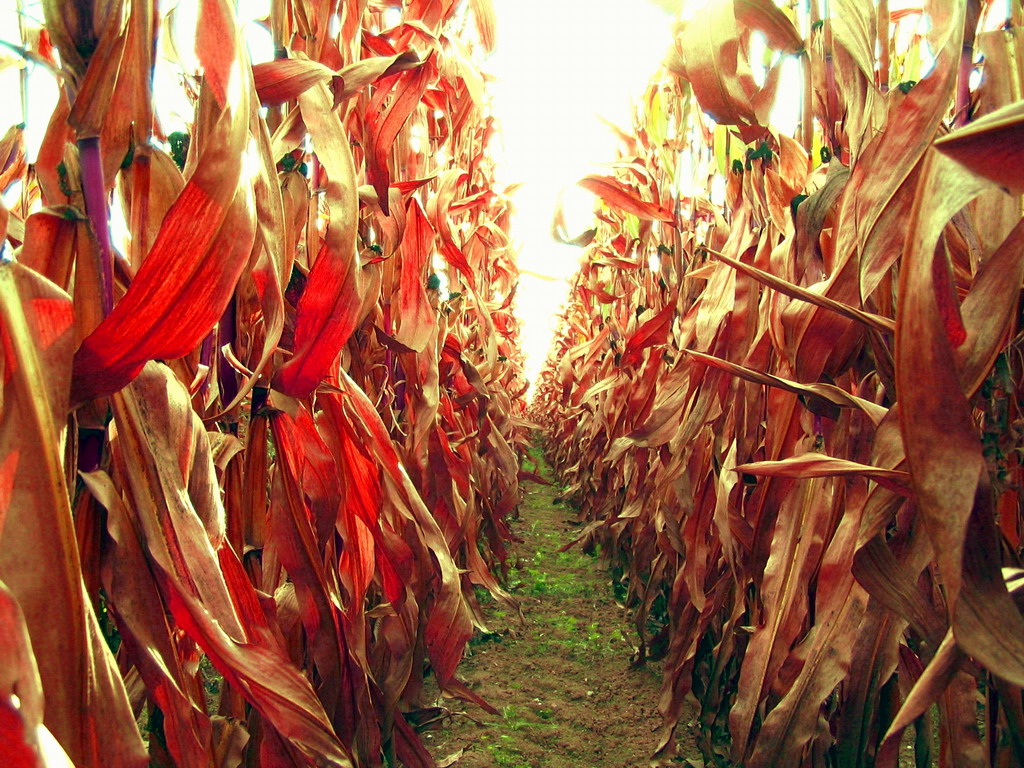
[86, 705]
[283, 80]
[808, 465]
[991, 146]
[821, 392]
[179, 519]
[937, 676]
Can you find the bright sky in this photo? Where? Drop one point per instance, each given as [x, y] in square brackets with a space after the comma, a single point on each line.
[560, 66]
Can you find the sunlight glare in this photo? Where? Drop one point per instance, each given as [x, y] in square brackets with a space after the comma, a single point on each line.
[691, 8]
[559, 69]
[42, 89]
[252, 164]
[577, 210]
[259, 41]
[10, 197]
[785, 115]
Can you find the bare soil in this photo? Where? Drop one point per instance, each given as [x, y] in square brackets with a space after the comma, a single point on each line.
[561, 679]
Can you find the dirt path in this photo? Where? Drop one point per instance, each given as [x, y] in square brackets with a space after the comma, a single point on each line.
[562, 682]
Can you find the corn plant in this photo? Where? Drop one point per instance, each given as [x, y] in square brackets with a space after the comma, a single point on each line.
[784, 392]
[256, 453]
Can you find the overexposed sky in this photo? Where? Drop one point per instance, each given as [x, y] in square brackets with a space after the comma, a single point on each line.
[560, 66]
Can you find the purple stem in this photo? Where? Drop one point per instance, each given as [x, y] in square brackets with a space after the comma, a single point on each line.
[95, 189]
[389, 355]
[90, 448]
[226, 377]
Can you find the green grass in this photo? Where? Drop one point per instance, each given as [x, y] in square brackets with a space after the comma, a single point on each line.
[505, 757]
[503, 752]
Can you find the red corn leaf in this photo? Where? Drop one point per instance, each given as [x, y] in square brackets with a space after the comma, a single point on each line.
[331, 305]
[416, 319]
[147, 635]
[180, 279]
[652, 333]
[449, 626]
[218, 46]
[283, 80]
[179, 519]
[384, 119]
[328, 313]
[618, 195]
[148, 321]
[293, 530]
[533, 477]
[19, 676]
[273, 266]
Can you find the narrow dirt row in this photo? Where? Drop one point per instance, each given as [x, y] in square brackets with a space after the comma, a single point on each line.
[562, 682]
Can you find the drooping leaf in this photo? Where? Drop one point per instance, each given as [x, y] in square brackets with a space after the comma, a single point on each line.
[331, 304]
[809, 465]
[416, 319]
[86, 707]
[617, 194]
[652, 333]
[211, 215]
[179, 520]
[385, 116]
[990, 146]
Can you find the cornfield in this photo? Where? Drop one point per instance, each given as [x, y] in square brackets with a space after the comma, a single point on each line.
[785, 392]
[262, 405]
[257, 454]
